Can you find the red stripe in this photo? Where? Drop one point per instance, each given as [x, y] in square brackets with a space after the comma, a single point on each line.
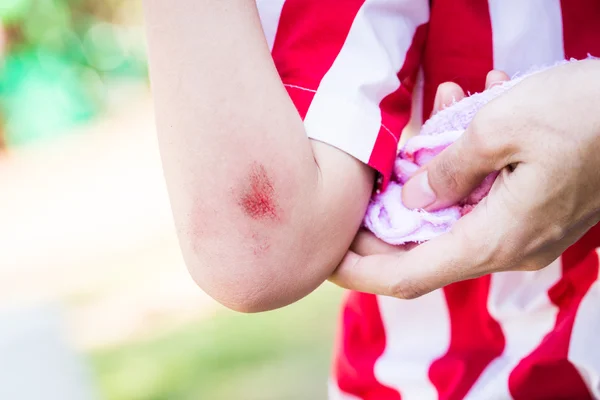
[475, 339]
[310, 35]
[581, 28]
[361, 343]
[395, 109]
[301, 99]
[546, 372]
[460, 49]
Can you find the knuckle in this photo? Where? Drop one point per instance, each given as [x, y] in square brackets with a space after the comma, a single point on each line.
[408, 289]
[481, 139]
[589, 223]
[447, 171]
[533, 265]
[555, 232]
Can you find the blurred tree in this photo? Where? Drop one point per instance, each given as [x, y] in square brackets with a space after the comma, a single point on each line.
[60, 56]
[2, 136]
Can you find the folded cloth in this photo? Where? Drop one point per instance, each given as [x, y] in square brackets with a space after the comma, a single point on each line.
[387, 217]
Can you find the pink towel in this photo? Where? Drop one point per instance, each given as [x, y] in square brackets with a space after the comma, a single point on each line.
[387, 217]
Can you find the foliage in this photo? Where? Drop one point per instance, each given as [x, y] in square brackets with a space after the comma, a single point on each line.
[61, 58]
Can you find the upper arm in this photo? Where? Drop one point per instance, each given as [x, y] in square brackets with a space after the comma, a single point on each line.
[263, 213]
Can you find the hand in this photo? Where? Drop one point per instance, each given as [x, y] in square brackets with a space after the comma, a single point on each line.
[365, 243]
[544, 137]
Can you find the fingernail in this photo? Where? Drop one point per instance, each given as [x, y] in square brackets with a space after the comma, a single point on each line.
[417, 192]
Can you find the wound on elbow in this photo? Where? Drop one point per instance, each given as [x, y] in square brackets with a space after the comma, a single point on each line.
[258, 201]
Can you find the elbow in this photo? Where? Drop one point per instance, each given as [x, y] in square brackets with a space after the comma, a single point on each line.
[251, 267]
[247, 298]
[252, 288]
[249, 305]
[253, 297]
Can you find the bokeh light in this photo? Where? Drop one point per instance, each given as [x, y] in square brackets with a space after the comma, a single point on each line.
[58, 55]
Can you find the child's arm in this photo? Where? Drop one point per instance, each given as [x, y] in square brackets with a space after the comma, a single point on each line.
[264, 214]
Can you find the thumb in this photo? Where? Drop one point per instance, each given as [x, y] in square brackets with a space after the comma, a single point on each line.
[452, 175]
[457, 171]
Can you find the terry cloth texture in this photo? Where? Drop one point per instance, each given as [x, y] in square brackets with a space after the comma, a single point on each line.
[387, 217]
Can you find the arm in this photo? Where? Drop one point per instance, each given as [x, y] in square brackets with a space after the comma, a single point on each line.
[264, 214]
[544, 136]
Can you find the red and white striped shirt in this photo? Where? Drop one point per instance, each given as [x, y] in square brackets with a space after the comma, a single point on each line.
[357, 70]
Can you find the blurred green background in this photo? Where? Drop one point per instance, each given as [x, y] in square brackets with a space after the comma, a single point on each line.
[282, 355]
[59, 58]
[89, 219]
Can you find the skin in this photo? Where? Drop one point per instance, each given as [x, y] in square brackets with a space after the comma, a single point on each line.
[260, 210]
[544, 137]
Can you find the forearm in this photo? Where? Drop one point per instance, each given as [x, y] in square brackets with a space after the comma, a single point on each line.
[255, 213]
[219, 105]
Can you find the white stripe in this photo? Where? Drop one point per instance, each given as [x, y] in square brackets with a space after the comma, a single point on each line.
[335, 393]
[417, 333]
[584, 349]
[519, 302]
[270, 13]
[526, 34]
[345, 110]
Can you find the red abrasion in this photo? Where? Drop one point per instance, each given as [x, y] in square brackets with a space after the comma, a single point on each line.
[259, 200]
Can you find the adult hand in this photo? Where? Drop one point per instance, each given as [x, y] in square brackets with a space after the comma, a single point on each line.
[544, 137]
[365, 243]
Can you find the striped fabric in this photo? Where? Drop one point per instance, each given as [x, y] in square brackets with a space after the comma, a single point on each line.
[353, 68]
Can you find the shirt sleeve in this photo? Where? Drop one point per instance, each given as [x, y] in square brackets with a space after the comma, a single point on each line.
[349, 67]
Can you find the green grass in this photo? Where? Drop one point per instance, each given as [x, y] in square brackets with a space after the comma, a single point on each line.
[280, 355]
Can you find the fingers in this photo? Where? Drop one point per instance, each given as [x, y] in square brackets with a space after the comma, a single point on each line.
[405, 275]
[459, 169]
[453, 174]
[494, 78]
[472, 249]
[366, 243]
[447, 93]
[450, 92]
[456, 172]
[468, 251]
